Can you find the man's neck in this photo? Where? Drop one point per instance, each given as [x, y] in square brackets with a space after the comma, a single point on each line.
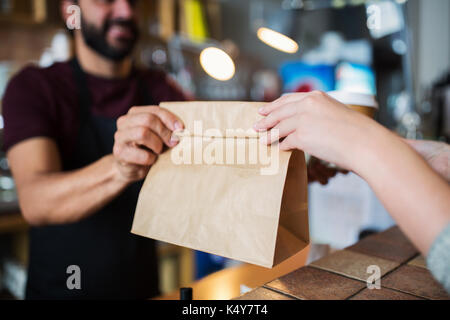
[97, 65]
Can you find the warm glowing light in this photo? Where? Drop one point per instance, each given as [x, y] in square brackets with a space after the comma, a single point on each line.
[217, 63]
[277, 40]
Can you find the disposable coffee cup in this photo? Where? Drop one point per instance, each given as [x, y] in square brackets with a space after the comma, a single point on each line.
[363, 103]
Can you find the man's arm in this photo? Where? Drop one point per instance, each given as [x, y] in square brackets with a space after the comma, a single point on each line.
[49, 196]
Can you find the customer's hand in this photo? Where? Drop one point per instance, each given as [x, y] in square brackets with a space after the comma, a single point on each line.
[319, 125]
[415, 196]
[140, 138]
[437, 154]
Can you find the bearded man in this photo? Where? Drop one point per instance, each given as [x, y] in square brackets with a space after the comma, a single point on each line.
[78, 152]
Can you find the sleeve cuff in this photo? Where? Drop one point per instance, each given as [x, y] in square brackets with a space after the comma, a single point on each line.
[438, 259]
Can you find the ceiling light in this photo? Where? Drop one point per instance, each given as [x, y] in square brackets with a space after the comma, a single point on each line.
[217, 63]
[277, 40]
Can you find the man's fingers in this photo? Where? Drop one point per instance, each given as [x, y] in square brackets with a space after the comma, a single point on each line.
[159, 120]
[133, 155]
[143, 109]
[170, 120]
[136, 120]
[163, 132]
[325, 171]
[312, 170]
[141, 136]
[147, 120]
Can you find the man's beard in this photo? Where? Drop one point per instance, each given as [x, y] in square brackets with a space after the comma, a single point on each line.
[96, 38]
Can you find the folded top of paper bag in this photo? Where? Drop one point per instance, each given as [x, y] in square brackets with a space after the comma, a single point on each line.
[217, 118]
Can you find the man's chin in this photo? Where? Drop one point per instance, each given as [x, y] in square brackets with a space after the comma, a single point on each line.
[121, 43]
[119, 55]
[120, 49]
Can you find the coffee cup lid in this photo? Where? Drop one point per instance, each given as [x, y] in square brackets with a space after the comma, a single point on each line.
[356, 99]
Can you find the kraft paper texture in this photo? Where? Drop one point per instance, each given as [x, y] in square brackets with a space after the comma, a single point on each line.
[225, 207]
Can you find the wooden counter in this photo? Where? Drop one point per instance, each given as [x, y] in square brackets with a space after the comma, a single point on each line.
[343, 275]
[14, 226]
[12, 222]
[225, 284]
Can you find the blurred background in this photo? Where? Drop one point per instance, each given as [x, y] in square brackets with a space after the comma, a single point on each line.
[256, 50]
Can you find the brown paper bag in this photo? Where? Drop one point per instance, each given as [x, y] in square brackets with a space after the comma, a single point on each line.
[204, 195]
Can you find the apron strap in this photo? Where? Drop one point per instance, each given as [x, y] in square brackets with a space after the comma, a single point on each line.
[144, 95]
[84, 95]
[85, 103]
[85, 99]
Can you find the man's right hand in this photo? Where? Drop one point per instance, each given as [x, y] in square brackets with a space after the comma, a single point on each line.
[140, 138]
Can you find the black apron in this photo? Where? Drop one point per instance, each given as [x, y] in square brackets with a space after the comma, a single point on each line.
[114, 263]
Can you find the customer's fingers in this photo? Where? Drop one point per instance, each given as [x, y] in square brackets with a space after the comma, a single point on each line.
[289, 143]
[288, 98]
[275, 117]
[281, 130]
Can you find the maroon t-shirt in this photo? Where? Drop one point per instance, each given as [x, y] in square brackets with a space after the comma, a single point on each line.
[44, 102]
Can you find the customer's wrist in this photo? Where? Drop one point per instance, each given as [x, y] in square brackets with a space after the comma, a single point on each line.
[370, 147]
